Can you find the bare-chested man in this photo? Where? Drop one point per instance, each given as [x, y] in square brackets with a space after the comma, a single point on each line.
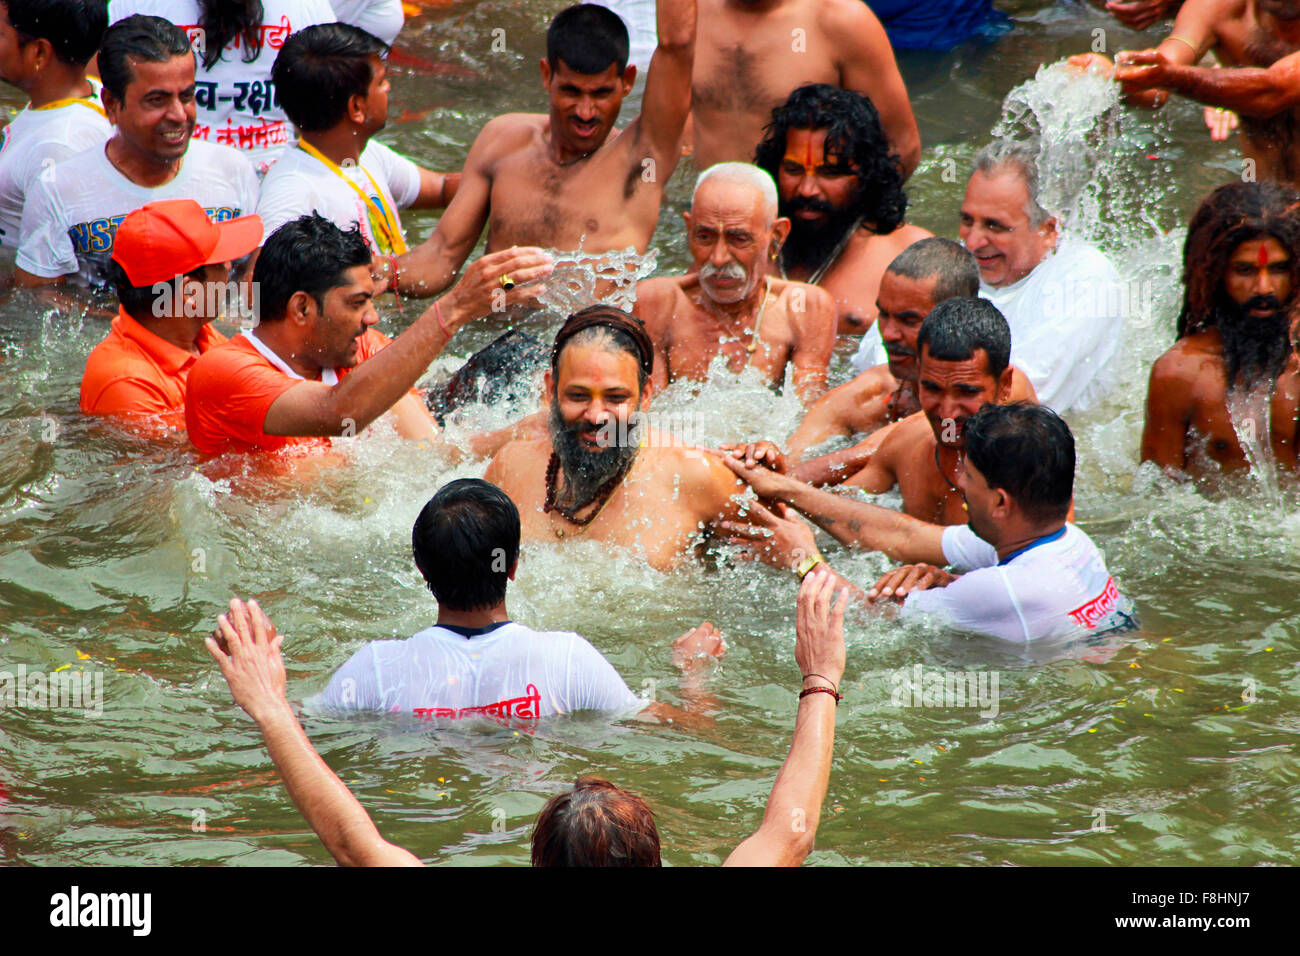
[600, 474]
[569, 180]
[1258, 43]
[965, 351]
[1240, 269]
[923, 275]
[730, 303]
[841, 189]
[752, 53]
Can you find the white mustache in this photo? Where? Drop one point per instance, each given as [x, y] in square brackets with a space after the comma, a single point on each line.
[732, 270]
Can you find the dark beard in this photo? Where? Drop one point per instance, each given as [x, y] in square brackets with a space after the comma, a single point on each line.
[1254, 349]
[585, 473]
[809, 245]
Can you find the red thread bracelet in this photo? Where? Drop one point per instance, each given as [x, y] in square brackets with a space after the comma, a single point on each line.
[392, 261]
[821, 690]
[437, 314]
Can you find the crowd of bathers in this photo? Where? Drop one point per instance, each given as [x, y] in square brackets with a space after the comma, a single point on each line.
[188, 163]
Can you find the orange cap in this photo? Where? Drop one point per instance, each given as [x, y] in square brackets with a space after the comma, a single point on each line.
[171, 237]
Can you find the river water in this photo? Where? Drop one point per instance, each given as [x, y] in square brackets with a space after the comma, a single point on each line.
[1174, 745]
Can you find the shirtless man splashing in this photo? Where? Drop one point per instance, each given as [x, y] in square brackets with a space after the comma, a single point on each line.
[568, 180]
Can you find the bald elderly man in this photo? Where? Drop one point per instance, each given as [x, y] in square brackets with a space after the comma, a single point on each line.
[733, 303]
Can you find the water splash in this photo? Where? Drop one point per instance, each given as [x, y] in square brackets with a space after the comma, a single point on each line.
[579, 275]
[1249, 413]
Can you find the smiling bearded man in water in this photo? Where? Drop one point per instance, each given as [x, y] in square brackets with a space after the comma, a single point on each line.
[600, 473]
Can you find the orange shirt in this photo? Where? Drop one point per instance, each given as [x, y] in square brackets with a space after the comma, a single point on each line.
[232, 388]
[135, 372]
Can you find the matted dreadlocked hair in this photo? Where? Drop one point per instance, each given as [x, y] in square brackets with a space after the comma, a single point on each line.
[1226, 218]
[853, 135]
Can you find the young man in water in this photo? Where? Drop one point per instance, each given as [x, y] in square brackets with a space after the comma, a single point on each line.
[1023, 572]
[1214, 388]
[595, 824]
[841, 189]
[964, 345]
[44, 48]
[730, 303]
[601, 473]
[752, 53]
[923, 275]
[568, 180]
[332, 79]
[314, 366]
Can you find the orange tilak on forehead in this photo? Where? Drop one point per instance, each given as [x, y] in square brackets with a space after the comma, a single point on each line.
[1263, 255]
[812, 158]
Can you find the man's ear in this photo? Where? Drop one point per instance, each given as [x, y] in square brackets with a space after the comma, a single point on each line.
[1002, 504]
[780, 232]
[1005, 381]
[629, 77]
[510, 575]
[39, 54]
[646, 391]
[356, 110]
[301, 308]
[1050, 230]
[546, 73]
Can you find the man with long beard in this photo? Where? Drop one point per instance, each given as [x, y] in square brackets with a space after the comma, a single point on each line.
[730, 303]
[840, 186]
[600, 473]
[1208, 403]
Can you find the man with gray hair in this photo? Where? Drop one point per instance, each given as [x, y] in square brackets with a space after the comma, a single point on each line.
[731, 304]
[1059, 293]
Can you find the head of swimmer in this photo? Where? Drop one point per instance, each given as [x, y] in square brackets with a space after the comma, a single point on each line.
[315, 279]
[466, 545]
[1018, 473]
[733, 230]
[1001, 221]
[921, 276]
[39, 36]
[830, 158]
[586, 75]
[333, 75]
[595, 824]
[148, 71]
[965, 351]
[598, 393]
[198, 295]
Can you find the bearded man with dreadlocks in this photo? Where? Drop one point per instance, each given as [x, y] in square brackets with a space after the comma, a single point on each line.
[1210, 396]
[840, 185]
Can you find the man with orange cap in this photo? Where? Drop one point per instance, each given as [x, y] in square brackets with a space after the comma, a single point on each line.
[167, 261]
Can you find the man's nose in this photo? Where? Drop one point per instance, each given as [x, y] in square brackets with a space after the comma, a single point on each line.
[807, 185]
[587, 108]
[720, 254]
[1265, 282]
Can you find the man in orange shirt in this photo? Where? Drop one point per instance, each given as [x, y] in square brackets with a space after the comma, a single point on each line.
[313, 367]
[168, 260]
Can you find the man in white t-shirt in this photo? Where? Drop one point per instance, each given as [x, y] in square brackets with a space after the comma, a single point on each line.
[332, 81]
[380, 18]
[75, 207]
[475, 662]
[44, 48]
[237, 104]
[1023, 572]
[1061, 295]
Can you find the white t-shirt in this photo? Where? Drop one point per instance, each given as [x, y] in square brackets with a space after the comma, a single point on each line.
[37, 139]
[237, 102]
[1066, 320]
[381, 18]
[74, 208]
[1057, 587]
[300, 183]
[509, 673]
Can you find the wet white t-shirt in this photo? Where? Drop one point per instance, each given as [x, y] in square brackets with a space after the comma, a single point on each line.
[300, 183]
[74, 208]
[1066, 318]
[1057, 587]
[237, 102]
[509, 673]
[381, 18]
[37, 139]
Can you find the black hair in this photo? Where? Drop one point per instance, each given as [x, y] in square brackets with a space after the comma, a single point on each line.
[957, 328]
[587, 38]
[1026, 450]
[74, 28]
[138, 301]
[318, 69]
[141, 38]
[308, 254]
[224, 20]
[465, 542]
[951, 264]
[853, 136]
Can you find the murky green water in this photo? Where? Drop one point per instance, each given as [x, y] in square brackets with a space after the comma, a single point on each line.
[116, 555]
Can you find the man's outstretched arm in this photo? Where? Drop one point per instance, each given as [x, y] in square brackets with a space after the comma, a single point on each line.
[794, 809]
[248, 653]
[1249, 91]
[667, 100]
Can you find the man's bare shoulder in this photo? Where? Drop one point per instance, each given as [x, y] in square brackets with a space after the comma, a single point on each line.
[906, 437]
[1219, 17]
[509, 132]
[864, 386]
[848, 23]
[697, 472]
[1189, 356]
[515, 458]
[798, 297]
[663, 290]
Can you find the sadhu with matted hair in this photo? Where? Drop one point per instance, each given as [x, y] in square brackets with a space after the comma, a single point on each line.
[608, 469]
[1209, 395]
